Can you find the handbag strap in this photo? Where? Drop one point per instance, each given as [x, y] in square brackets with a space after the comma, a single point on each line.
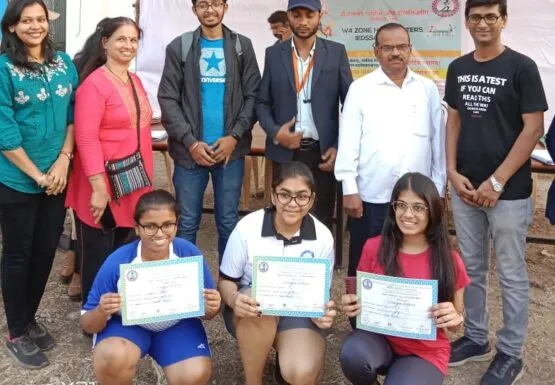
[138, 108]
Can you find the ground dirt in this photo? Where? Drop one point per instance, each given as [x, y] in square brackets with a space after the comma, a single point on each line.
[71, 363]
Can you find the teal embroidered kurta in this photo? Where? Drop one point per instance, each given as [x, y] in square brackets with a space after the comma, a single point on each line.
[35, 109]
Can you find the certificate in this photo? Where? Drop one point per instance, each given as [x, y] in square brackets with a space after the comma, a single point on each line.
[396, 306]
[162, 290]
[291, 287]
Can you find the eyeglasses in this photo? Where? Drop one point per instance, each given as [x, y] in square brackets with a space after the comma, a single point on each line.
[301, 200]
[490, 18]
[390, 48]
[401, 207]
[151, 229]
[203, 6]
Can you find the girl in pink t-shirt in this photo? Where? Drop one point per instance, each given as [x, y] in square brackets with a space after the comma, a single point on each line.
[414, 244]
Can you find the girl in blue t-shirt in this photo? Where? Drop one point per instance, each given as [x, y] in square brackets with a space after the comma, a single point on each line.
[179, 346]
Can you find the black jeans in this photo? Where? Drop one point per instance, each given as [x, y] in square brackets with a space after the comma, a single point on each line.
[31, 226]
[360, 229]
[364, 355]
[326, 185]
[93, 246]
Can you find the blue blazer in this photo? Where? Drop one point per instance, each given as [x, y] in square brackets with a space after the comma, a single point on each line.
[550, 144]
[277, 98]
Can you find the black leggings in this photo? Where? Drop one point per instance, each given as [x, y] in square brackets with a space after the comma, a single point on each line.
[364, 355]
[31, 226]
[93, 247]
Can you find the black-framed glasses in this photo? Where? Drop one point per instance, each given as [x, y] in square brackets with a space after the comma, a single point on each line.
[490, 18]
[399, 47]
[401, 207]
[152, 229]
[203, 5]
[301, 200]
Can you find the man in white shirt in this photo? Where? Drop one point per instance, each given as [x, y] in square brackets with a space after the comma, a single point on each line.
[391, 125]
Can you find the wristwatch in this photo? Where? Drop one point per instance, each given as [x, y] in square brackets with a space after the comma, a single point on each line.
[497, 186]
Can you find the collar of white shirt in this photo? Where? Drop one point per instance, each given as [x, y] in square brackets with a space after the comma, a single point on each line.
[307, 231]
[382, 78]
[138, 258]
[297, 52]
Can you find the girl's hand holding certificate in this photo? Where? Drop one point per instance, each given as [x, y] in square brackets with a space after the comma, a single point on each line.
[446, 315]
[350, 305]
[212, 302]
[110, 303]
[245, 306]
[326, 321]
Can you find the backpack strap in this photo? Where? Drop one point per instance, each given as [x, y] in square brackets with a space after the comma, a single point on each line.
[186, 42]
[238, 47]
[239, 50]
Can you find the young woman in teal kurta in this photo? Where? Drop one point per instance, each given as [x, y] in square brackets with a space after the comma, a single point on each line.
[37, 85]
[36, 107]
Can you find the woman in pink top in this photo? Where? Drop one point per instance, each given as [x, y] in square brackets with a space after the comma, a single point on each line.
[106, 129]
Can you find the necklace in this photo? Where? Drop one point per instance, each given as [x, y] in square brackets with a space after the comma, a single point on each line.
[124, 81]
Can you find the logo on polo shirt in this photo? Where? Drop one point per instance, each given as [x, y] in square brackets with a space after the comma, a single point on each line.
[132, 275]
[307, 254]
[263, 267]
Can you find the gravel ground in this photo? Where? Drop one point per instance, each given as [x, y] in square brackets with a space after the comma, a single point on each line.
[71, 358]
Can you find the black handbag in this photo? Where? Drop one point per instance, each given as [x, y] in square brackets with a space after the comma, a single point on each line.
[129, 174]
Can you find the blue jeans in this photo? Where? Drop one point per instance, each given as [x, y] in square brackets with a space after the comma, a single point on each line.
[190, 185]
[507, 225]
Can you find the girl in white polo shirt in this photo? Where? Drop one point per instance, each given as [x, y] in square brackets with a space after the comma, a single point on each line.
[289, 230]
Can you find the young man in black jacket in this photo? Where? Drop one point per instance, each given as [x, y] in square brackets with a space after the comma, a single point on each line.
[207, 95]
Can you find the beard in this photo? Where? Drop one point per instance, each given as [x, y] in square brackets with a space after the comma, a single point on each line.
[215, 19]
[306, 34]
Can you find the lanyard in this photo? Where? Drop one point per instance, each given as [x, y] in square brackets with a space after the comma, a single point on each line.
[300, 85]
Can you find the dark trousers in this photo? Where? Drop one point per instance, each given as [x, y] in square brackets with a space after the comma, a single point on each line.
[360, 229]
[364, 355]
[93, 247]
[326, 185]
[31, 227]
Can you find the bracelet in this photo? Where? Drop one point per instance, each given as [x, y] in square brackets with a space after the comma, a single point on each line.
[68, 154]
[229, 301]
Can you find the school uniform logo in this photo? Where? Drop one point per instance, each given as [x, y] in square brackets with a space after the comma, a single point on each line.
[263, 267]
[132, 275]
[367, 284]
[307, 254]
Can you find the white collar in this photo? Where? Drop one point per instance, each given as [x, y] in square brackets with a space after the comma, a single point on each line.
[296, 52]
[382, 77]
[138, 258]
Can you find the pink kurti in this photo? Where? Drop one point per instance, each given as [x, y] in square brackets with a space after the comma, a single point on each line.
[106, 129]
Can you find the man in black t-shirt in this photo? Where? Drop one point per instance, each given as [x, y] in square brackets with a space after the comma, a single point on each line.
[496, 105]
